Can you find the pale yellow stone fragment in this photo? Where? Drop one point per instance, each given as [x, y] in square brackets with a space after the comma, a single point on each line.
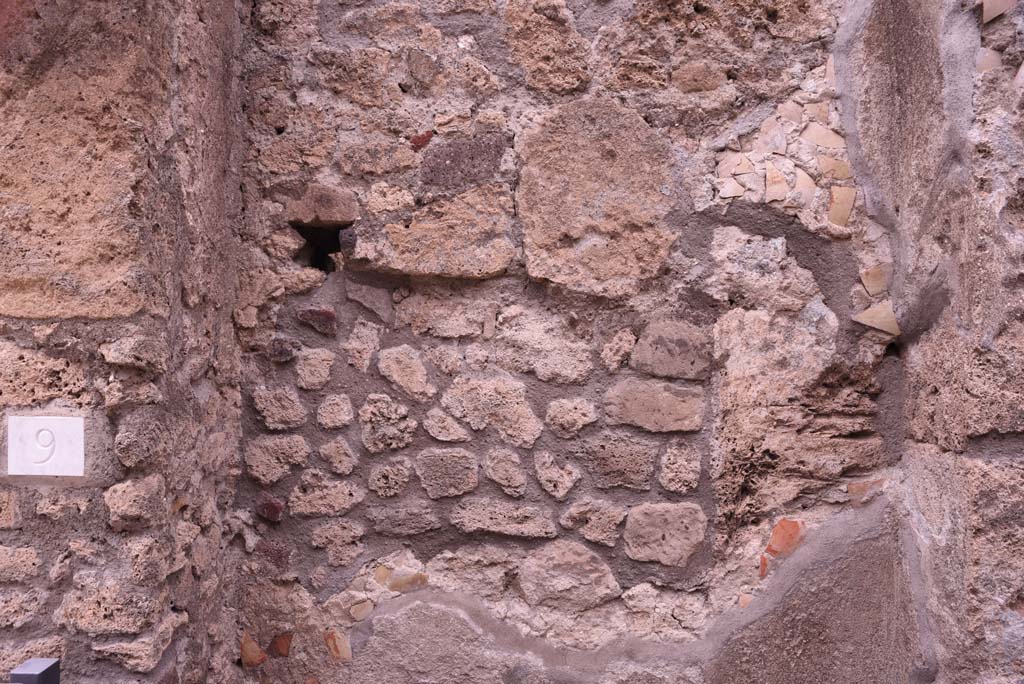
[831, 167]
[805, 186]
[988, 59]
[815, 133]
[876, 278]
[842, 205]
[775, 186]
[817, 111]
[730, 188]
[792, 111]
[879, 316]
[994, 8]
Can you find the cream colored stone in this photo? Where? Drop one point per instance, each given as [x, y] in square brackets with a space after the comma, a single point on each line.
[385, 424]
[881, 317]
[444, 428]
[841, 206]
[822, 136]
[504, 468]
[597, 520]
[446, 472]
[501, 517]
[384, 198]
[143, 654]
[18, 564]
[269, 458]
[335, 412]
[137, 504]
[544, 42]
[566, 417]
[280, 409]
[340, 539]
[665, 533]
[313, 368]
[596, 154]
[318, 494]
[338, 455]
[403, 367]
[390, 479]
[496, 401]
[617, 349]
[654, 406]
[106, 608]
[680, 468]
[770, 138]
[363, 342]
[557, 480]
[567, 576]
[467, 236]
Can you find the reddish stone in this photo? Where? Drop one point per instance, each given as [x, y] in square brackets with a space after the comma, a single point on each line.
[786, 536]
[338, 646]
[269, 507]
[252, 654]
[319, 318]
[282, 349]
[421, 140]
[281, 645]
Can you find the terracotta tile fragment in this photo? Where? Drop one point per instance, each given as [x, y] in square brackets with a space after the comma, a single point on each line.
[252, 654]
[841, 206]
[775, 186]
[817, 111]
[744, 600]
[805, 186]
[281, 645]
[876, 278]
[821, 136]
[338, 645]
[792, 111]
[831, 167]
[785, 538]
[881, 317]
[730, 188]
[993, 8]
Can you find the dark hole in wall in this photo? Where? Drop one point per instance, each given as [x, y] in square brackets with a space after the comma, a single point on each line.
[321, 243]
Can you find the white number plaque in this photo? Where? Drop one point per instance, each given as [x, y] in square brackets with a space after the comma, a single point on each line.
[46, 445]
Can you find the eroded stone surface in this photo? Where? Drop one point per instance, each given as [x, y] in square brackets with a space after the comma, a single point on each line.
[593, 198]
[664, 533]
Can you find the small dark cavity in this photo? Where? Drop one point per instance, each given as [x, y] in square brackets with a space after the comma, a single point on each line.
[321, 243]
[772, 14]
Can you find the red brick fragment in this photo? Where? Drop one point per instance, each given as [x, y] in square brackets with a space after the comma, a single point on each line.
[421, 140]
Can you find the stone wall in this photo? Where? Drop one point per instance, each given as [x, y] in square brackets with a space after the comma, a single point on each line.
[515, 340]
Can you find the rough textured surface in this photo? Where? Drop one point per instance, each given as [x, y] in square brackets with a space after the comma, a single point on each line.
[522, 341]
